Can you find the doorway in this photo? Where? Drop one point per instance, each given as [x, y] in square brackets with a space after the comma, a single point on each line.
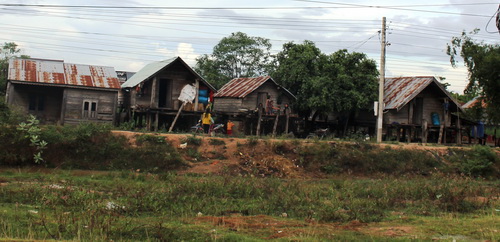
[165, 93]
[418, 111]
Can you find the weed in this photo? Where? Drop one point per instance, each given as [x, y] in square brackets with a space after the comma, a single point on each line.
[216, 142]
[192, 140]
[476, 162]
[193, 153]
[252, 141]
[149, 139]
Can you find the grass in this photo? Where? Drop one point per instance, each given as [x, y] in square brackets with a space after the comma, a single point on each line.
[75, 205]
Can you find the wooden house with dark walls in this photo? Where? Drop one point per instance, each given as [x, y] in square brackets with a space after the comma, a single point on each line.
[62, 93]
[152, 95]
[419, 109]
[242, 98]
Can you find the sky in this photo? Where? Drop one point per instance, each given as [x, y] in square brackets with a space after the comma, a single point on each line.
[129, 34]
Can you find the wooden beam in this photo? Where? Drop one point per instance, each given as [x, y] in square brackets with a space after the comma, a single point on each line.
[176, 117]
[156, 121]
[276, 123]
[410, 111]
[441, 130]
[287, 115]
[425, 131]
[197, 87]
[459, 131]
[153, 103]
[63, 107]
[148, 120]
[259, 120]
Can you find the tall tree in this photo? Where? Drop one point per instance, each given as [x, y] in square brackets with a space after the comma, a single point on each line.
[238, 55]
[339, 82]
[8, 50]
[297, 66]
[483, 64]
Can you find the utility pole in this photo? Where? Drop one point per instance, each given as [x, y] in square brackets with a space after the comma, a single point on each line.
[380, 117]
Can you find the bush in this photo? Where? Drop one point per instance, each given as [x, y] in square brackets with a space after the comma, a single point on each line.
[192, 140]
[479, 161]
[364, 158]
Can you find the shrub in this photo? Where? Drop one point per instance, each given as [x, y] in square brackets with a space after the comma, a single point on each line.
[478, 161]
[149, 139]
[252, 141]
[192, 140]
[216, 142]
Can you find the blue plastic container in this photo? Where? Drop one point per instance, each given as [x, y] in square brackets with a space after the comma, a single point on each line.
[435, 119]
[203, 100]
[203, 93]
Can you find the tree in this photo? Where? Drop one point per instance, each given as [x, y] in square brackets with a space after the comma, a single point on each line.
[9, 50]
[297, 66]
[238, 55]
[341, 82]
[483, 64]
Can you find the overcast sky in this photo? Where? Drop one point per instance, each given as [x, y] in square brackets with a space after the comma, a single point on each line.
[134, 33]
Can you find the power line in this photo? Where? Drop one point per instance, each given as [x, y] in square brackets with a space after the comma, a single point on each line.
[396, 8]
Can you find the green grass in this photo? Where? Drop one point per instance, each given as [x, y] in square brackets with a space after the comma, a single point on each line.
[133, 205]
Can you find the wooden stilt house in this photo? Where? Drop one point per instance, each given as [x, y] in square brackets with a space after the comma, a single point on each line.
[152, 94]
[420, 109]
[243, 99]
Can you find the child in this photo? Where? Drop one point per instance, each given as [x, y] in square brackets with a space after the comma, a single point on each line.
[229, 127]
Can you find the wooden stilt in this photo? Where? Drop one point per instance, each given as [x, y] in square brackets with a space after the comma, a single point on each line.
[425, 131]
[441, 130]
[156, 121]
[459, 132]
[176, 117]
[258, 122]
[148, 120]
[276, 123]
[398, 133]
[287, 115]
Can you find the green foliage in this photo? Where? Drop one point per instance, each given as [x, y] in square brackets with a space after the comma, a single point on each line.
[338, 82]
[143, 207]
[32, 133]
[479, 161]
[193, 140]
[298, 64]
[482, 61]
[149, 139]
[252, 141]
[237, 55]
[365, 158]
[93, 146]
[216, 142]
[7, 51]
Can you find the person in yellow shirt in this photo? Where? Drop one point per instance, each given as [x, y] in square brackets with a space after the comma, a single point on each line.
[229, 127]
[206, 121]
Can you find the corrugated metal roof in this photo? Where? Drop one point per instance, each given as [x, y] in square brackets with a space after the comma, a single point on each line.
[153, 68]
[398, 91]
[58, 72]
[241, 87]
[474, 102]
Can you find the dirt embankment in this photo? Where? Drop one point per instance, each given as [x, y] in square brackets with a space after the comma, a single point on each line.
[217, 155]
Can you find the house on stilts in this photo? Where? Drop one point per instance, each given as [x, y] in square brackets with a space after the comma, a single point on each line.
[419, 109]
[151, 95]
[258, 105]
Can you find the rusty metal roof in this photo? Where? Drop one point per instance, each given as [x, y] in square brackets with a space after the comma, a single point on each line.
[241, 87]
[475, 103]
[58, 72]
[398, 91]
